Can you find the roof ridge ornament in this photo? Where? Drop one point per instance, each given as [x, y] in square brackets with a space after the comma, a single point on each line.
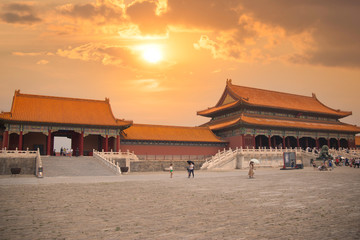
[228, 81]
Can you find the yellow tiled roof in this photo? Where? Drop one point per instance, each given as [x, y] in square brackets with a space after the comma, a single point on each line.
[170, 133]
[215, 109]
[288, 123]
[273, 99]
[48, 109]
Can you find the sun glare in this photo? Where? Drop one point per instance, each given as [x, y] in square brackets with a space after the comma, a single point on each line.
[152, 53]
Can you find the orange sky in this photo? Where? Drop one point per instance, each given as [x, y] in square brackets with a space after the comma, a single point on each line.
[94, 49]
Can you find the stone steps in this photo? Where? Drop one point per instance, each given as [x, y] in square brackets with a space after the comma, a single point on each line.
[74, 166]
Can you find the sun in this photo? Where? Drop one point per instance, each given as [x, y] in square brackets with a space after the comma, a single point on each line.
[152, 53]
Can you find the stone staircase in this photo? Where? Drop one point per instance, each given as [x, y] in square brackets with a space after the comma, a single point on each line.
[240, 158]
[74, 166]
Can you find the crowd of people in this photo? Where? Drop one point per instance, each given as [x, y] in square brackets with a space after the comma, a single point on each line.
[66, 152]
[337, 162]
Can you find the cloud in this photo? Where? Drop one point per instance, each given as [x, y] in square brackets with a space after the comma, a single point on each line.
[42, 62]
[203, 14]
[100, 12]
[254, 41]
[146, 16]
[116, 55]
[121, 56]
[333, 25]
[28, 53]
[322, 32]
[206, 43]
[155, 17]
[148, 85]
[19, 13]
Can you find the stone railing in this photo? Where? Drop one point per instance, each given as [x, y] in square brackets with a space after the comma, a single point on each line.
[111, 155]
[271, 156]
[18, 153]
[39, 168]
[25, 154]
[113, 158]
[346, 153]
[220, 157]
[173, 157]
[110, 163]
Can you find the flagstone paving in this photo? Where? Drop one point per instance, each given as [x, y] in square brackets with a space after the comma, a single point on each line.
[299, 204]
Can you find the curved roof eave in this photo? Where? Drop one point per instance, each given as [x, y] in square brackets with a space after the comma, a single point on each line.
[286, 124]
[247, 100]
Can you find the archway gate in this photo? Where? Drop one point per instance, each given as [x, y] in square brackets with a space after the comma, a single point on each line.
[48, 116]
[22, 136]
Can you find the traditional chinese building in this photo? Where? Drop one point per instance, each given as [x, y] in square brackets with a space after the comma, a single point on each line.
[146, 139]
[251, 117]
[35, 120]
[243, 117]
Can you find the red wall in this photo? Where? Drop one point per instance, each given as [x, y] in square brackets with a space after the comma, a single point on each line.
[169, 150]
[234, 141]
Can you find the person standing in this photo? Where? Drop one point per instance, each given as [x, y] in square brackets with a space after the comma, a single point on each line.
[171, 170]
[191, 169]
[251, 170]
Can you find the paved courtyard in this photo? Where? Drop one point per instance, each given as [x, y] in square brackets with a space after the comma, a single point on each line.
[299, 204]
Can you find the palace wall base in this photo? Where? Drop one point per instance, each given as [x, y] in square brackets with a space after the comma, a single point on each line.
[27, 165]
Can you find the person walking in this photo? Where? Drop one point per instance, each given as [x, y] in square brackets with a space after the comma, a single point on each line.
[251, 170]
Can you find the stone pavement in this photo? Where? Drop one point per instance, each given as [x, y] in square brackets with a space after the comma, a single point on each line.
[298, 204]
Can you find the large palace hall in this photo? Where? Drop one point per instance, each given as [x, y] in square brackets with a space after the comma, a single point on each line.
[243, 117]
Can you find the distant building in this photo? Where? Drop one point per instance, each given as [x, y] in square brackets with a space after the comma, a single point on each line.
[251, 117]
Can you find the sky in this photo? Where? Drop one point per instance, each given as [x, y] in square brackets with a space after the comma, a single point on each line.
[161, 61]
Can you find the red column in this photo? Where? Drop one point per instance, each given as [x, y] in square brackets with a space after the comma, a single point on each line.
[260, 142]
[52, 145]
[317, 143]
[106, 143]
[329, 142]
[269, 141]
[48, 143]
[274, 142]
[118, 143]
[5, 139]
[288, 142]
[338, 143]
[298, 141]
[254, 142]
[20, 140]
[283, 143]
[81, 147]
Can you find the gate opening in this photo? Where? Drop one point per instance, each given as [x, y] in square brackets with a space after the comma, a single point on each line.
[63, 143]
